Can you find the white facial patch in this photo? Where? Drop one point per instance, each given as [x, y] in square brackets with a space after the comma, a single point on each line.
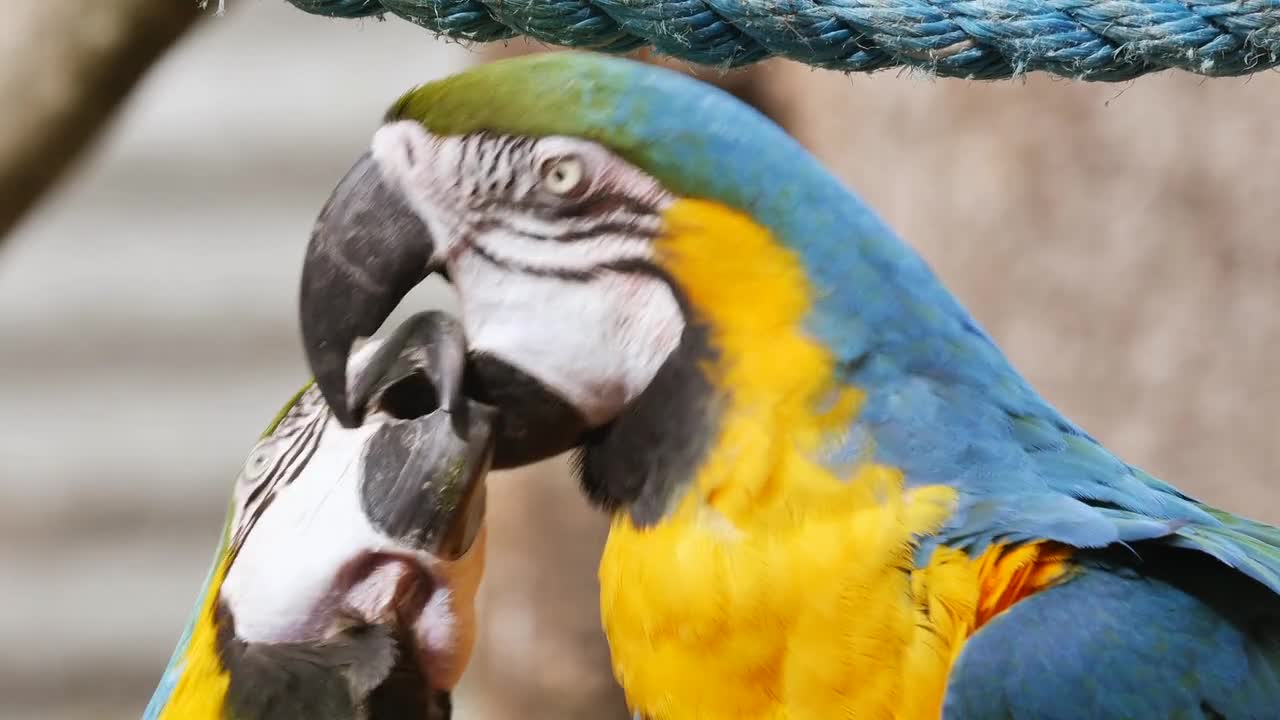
[597, 344]
[547, 241]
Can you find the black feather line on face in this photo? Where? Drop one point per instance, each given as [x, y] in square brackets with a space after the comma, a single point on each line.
[618, 228]
[516, 266]
[601, 203]
[303, 443]
[637, 266]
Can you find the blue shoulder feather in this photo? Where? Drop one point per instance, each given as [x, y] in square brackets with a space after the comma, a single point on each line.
[963, 417]
[1183, 638]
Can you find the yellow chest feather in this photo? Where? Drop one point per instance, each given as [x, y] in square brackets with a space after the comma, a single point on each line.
[820, 617]
[775, 589]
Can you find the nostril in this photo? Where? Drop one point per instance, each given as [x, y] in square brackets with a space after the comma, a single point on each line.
[411, 397]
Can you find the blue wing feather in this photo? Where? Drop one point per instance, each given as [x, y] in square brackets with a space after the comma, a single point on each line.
[1175, 612]
[1021, 470]
[1181, 639]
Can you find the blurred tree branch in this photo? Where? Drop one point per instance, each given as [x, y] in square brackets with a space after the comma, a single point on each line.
[65, 66]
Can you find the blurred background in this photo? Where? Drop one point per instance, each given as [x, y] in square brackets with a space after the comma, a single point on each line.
[1119, 241]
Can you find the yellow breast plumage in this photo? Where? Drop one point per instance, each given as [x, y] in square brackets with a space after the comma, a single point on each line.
[775, 588]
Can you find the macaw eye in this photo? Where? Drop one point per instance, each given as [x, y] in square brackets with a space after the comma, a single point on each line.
[259, 461]
[564, 175]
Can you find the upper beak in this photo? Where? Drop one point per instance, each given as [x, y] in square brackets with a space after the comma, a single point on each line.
[368, 250]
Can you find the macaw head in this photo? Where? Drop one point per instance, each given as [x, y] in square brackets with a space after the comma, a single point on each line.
[346, 581]
[626, 243]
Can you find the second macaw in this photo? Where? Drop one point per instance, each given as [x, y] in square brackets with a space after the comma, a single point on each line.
[832, 495]
[345, 583]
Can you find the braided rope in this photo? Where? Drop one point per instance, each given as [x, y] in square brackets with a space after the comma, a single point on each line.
[1109, 40]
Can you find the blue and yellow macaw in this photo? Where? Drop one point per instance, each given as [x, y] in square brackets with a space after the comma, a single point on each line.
[344, 585]
[832, 495]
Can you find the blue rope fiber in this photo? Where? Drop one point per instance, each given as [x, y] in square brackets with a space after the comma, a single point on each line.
[1107, 40]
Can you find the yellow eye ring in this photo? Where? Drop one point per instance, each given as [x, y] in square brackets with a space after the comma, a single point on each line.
[564, 175]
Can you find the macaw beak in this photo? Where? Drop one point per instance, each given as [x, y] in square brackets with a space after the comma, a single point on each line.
[367, 251]
[424, 471]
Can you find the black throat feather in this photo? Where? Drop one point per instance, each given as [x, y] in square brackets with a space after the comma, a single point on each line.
[319, 680]
[644, 461]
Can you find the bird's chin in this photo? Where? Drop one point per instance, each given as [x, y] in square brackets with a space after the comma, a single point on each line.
[383, 588]
[424, 601]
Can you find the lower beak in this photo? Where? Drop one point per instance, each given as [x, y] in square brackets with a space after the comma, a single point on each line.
[425, 464]
[368, 250]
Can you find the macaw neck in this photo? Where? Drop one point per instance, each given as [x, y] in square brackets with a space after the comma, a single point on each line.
[778, 354]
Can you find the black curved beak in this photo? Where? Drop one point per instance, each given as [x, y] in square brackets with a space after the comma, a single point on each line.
[367, 251]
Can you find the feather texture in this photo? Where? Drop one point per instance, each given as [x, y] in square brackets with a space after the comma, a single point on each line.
[855, 526]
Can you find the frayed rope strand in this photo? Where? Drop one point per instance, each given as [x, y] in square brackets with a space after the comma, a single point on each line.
[1107, 40]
